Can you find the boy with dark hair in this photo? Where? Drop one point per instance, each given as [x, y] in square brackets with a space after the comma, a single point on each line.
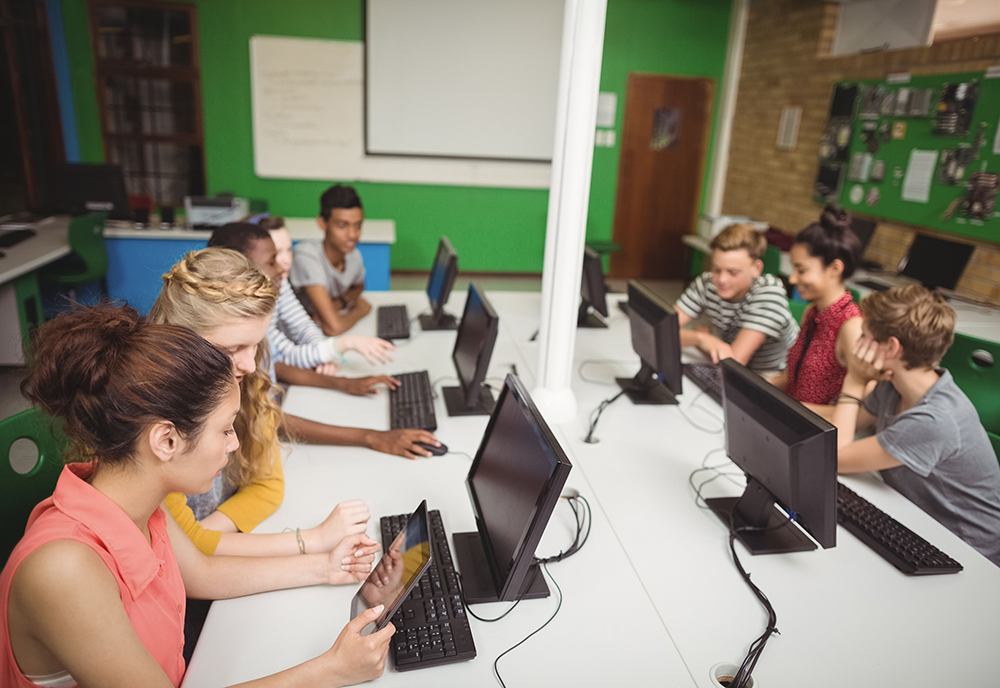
[300, 353]
[928, 442]
[748, 311]
[329, 275]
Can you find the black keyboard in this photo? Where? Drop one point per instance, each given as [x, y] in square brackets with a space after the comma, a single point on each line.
[893, 541]
[411, 405]
[393, 322]
[9, 237]
[431, 625]
[708, 376]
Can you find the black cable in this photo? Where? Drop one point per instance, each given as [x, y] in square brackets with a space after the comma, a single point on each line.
[746, 668]
[589, 439]
[496, 669]
[461, 591]
[583, 518]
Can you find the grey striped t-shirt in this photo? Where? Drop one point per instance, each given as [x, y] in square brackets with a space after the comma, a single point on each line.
[764, 309]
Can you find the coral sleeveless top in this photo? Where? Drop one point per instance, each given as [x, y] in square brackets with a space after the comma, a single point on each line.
[149, 580]
[814, 375]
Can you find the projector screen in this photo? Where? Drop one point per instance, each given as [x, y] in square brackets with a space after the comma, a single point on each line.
[462, 78]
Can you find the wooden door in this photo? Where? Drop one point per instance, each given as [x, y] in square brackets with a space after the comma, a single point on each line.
[660, 171]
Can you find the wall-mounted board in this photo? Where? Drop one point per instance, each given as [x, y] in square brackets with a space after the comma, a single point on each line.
[308, 123]
[922, 150]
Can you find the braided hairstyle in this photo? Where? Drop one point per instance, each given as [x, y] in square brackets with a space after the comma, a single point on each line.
[110, 374]
[205, 288]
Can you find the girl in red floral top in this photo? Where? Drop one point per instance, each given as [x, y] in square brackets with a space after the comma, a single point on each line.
[824, 255]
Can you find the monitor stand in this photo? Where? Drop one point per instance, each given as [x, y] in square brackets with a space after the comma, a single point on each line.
[755, 509]
[477, 581]
[589, 320]
[438, 321]
[644, 389]
[454, 400]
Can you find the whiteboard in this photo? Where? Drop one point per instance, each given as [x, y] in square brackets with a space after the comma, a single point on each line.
[465, 78]
[308, 123]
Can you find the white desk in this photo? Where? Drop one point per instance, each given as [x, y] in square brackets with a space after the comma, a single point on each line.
[654, 598]
[50, 243]
[607, 632]
[846, 616]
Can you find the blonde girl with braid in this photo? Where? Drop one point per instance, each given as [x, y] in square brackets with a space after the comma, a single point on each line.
[220, 295]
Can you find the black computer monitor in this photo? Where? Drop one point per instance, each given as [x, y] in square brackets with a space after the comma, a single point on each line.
[789, 455]
[593, 293]
[936, 262]
[656, 338]
[477, 334]
[90, 188]
[439, 284]
[514, 484]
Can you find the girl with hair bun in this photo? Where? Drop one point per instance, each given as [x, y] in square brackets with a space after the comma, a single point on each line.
[825, 254]
[221, 295]
[93, 594]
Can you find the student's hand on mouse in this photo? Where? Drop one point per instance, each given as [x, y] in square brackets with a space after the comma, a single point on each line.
[363, 386]
[351, 560]
[402, 442]
[329, 369]
[355, 658]
[716, 349]
[347, 518]
[374, 350]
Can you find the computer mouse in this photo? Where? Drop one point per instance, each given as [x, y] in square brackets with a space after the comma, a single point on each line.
[436, 451]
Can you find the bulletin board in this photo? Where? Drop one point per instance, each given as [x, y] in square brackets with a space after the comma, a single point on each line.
[924, 150]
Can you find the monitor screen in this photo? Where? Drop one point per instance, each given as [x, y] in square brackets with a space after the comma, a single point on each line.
[592, 287]
[789, 455]
[936, 262]
[655, 337]
[88, 188]
[474, 344]
[842, 104]
[863, 229]
[514, 483]
[442, 276]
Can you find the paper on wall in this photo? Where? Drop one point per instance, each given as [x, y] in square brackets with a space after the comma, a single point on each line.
[919, 175]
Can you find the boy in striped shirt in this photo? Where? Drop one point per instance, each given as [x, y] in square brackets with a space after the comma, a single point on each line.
[748, 311]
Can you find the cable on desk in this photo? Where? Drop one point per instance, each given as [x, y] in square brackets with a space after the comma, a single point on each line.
[694, 425]
[582, 514]
[460, 453]
[496, 669]
[590, 361]
[435, 383]
[746, 668]
[589, 439]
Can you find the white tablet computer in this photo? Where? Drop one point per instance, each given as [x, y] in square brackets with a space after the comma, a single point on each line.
[400, 568]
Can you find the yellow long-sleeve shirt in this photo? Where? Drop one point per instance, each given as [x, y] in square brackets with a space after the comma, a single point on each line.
[247, 508]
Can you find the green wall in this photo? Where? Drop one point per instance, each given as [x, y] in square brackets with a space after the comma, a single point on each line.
[492, 229]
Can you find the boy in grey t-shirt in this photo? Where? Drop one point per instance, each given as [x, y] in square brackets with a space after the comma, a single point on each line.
[928, 442]
[329, 275]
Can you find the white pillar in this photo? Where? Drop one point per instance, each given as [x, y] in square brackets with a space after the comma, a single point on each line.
[569, 195]
[738, 16]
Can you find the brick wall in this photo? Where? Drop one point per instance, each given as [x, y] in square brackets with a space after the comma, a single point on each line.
[786, 63]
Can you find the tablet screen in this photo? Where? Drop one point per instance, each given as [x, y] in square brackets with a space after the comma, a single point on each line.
[399, 569]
